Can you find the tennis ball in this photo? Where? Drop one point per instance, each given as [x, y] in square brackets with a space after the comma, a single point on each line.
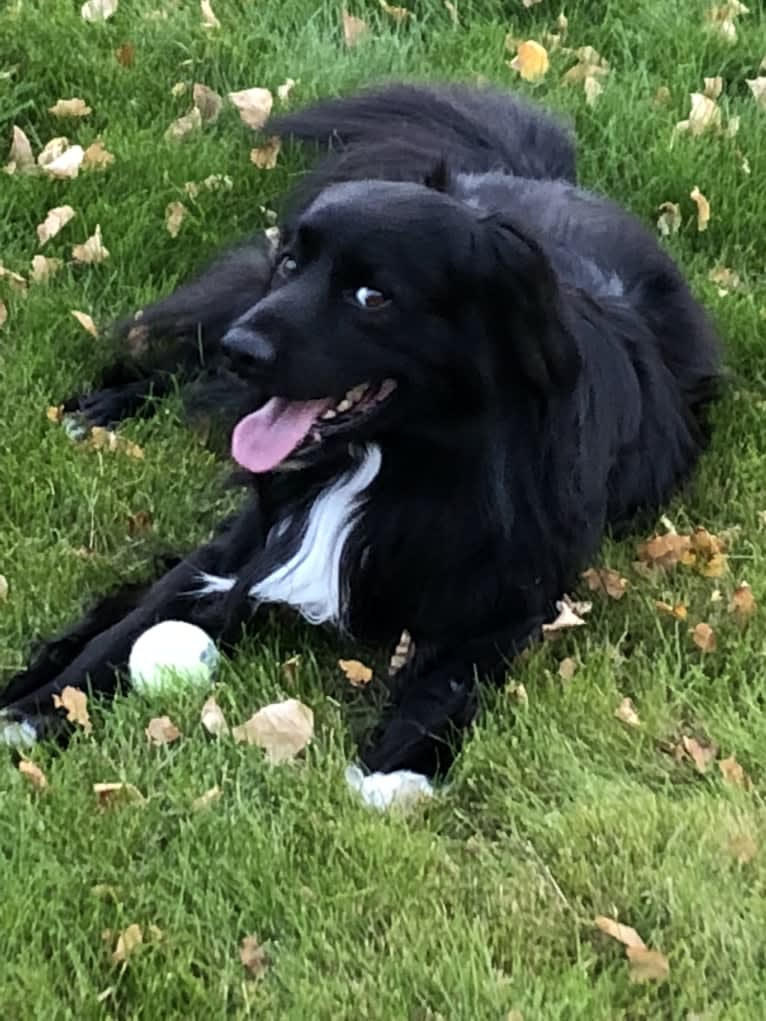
[172, 656]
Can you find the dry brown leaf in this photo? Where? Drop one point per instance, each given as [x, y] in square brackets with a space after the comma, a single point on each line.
[713, 87]
[92, 251]
[98, 10]
[518, 693]
[254, 105]
[3, 314]
[55, 220]
[568, 617]
[97, 157]
[665, 550]
[16, 280]
[21, 159]
[3, 588]
[140, 523]
[704, 116]
[743, 847]
[647, 965]
[567, 669]
[603, 579]
[357, 674]
[624, 934]
[162, 730]
[703, 208]
[209, 20]
[208, 103]
[127, 942]
[742, 604]
[291, 666]
[60, 160]
[126, 54]
[703, 637]
[55, 413]
[212, 718]
[701, 754]
[208, 798]
[110, 794]
[265, 156]
[677, 610]
[105, 439]
[725, 280]
[75, 702]
[282, 729]
[626, 712]
[354, 29]
[721, 19]
[43, 268]
[284, 90]
[758, 88]
[184, 126]
[174, 217]
[34, 774]
[531, 61]
[715, 567]
[104, 891]
[253, 956]
[70, 108]
[86, 322]
[733, 774]
[399, 14]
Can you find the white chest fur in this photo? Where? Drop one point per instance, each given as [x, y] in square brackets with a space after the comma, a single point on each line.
[310, 581]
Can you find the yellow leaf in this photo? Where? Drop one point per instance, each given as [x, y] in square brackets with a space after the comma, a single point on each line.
[531, 61]
[55, 220]
[733, 774]
[254, 958]
[742, 603]
[704, 116]
[86, 322]
[75, 701]
[626, 712]
[356, 673]
[162, 730]
[110, 794]
[282, 730]
[70, 108]
[212, 718]
[265, 156]
[92, 251]
[209, 20]
[399, 14]
[624, 934]
[677, 610]
[254, 105]
[703, 208]
[567, 668]
[174, 217]
[605, 580]
[703, 637]
[127, 942]
[34, 774]
[97, 157]
[647, 965]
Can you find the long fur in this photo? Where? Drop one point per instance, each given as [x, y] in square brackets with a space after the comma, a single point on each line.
[554, 373]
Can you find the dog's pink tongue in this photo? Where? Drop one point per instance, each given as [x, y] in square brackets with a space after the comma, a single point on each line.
[262, 440]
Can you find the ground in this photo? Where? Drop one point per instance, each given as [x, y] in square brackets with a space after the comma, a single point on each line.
[482, 903]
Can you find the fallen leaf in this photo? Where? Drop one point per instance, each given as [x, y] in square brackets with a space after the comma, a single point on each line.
[567, 668]
[127, 942]
[97, 157]
[713, 87]
[70, 108]
[110, 794]
[212, 718]
[354, 29]
[265, 156]
[60, 160]
[55, 220]
[703, 637]
[92, 251]
[208, 103]
[624, 934]
[161, 730]
[284, 90]
[567, 618]
[716, 567]
[399, 14]
[518, 693]
[105, 439]
[75, 701]
[733, 774]
[98, 10]
[209, 20]
[43, 268]
[290, 667]
[254, 105]
[282, 729]
[704, 116]
[208, 798]
[451, 9]
[139, 523]
[3, 588]
[605, 580]
[55, 413]
[758, 88]
[404, 651]
[531, 61]
[743, 847]
[174, 217]
[3, 314]
[703, 208]
[126, 54]
[214, 182]
[21, 159]
[589, 70]
[701, 754]
[184, 126]
[662, 96]
[253, 956]
[104, 892]
[721, 19]
[677, 610]
[647, 965]
[179, 89]
[626, 712]
[593, 89]
[357, 674]
[34, 774]
[665, 550]
[530, 3]
[742, 604]
[86, 322]
[726, 280]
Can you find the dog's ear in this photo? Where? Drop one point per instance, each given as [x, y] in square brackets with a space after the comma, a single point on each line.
[438, 177]
[525, 305]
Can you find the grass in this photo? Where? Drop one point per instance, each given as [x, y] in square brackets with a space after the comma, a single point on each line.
[482, 902]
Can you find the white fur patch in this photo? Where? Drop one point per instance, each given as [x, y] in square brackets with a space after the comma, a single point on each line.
[401, 789]
[310, 580]
[16, 734]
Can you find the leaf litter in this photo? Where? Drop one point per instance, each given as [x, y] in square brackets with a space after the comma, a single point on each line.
[282, 730]
[644, 965]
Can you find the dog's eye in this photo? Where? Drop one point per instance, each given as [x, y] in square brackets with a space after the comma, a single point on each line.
[287, 265]
[368, 297]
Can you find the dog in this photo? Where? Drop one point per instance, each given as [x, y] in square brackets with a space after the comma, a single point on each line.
[455, 374]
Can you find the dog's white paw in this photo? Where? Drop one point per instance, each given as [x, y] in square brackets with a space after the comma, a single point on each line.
[401, 789]
[16, 733]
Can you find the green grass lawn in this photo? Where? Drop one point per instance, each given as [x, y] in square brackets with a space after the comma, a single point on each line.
[482, 902]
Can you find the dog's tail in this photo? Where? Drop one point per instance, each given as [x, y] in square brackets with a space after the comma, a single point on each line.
[402, 131]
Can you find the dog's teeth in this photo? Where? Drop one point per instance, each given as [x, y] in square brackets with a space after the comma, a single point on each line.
[344, 405]
[330, 413]
[356, 393]
[316, 436]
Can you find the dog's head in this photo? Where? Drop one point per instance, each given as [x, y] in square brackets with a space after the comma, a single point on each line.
[393, 305]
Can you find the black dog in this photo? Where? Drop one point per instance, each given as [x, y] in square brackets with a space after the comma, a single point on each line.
[457, 371]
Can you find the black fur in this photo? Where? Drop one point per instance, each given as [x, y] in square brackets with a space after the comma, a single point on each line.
[553, 376]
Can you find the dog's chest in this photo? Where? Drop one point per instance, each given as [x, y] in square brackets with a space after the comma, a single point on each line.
[311, 580]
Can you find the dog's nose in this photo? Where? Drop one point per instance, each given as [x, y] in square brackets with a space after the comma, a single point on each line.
[250, 349]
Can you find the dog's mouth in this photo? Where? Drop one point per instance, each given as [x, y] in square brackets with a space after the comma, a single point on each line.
[264, 439]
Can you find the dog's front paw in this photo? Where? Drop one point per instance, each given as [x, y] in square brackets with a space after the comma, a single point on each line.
[17, 730]
[401, 789]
